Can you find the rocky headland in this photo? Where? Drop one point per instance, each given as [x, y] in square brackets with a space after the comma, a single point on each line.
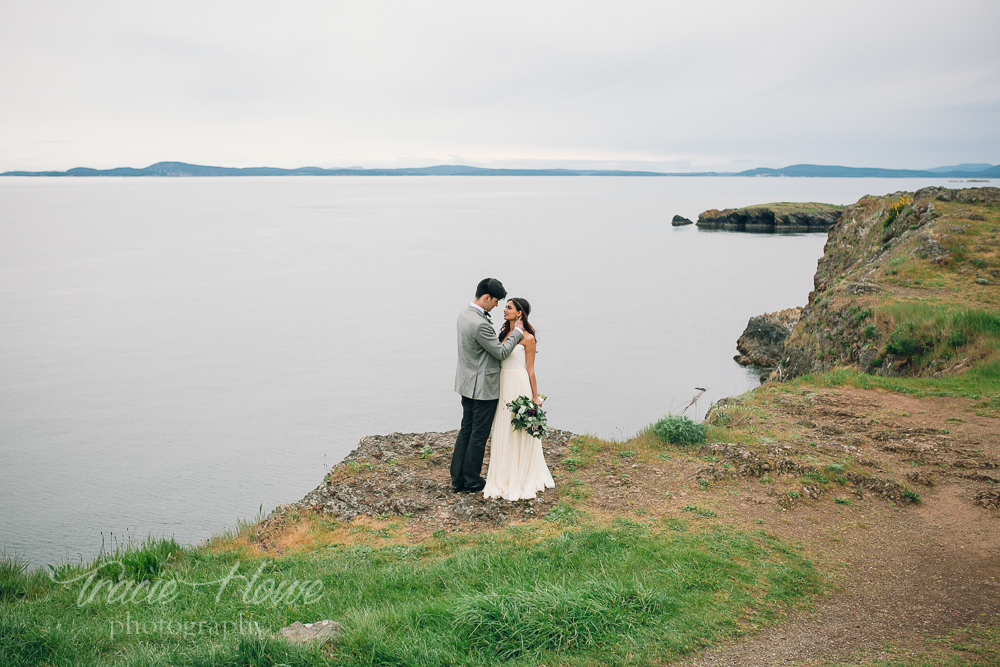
[779, 217]
[907, 286]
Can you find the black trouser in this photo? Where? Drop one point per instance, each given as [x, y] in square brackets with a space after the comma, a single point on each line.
[470, 446]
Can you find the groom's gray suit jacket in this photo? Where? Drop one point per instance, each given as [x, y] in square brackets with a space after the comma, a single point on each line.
[479, 355]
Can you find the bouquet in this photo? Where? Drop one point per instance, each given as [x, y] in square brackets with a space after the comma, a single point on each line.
[526, 416]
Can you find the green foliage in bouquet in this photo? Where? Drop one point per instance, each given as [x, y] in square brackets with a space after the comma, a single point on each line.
[679, 430]
[526, 416]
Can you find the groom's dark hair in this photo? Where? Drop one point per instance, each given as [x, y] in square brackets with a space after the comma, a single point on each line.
[491, 286]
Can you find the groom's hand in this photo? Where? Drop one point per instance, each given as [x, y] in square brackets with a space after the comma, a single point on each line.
[518, 324]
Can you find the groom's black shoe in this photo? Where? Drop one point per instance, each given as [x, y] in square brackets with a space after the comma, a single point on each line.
[476, 486]
[457, 489]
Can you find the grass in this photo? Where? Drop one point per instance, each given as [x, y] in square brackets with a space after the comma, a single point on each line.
[981, 383]
[785, 207]
[928, 330]
[549, 592]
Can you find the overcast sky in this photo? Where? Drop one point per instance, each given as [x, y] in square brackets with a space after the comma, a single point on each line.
[663, 85]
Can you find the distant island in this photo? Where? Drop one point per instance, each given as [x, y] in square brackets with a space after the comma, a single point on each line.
[179, 169]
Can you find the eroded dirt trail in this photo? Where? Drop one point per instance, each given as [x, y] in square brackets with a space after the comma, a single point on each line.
[899, 573]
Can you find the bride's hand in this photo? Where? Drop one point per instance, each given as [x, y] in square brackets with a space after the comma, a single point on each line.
[538, 401]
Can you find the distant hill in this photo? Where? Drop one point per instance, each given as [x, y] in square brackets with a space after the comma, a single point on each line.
[815, 170]
[178, 169]
[967, 166]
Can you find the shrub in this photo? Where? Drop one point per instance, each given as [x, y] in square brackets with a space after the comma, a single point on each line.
[906, 342]
[680, 430]
[900, 207]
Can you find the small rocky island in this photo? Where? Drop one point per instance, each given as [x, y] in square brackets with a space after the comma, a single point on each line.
[778, 217]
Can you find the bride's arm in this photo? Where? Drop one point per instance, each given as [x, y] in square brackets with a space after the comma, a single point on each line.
[529, 363]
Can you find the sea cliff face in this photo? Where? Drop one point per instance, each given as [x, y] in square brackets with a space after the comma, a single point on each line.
[781, 217]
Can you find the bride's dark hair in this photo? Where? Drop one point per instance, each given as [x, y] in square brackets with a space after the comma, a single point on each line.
[522, 306]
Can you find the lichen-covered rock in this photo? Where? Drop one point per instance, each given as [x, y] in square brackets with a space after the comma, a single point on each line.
[763, 341]
[407, 474]
[988, 498]
[305, 633]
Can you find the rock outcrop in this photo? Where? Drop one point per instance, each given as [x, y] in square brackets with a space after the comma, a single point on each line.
[773, 218]
[680, 221]
[885, 261]
[406, 474]
[762, 343]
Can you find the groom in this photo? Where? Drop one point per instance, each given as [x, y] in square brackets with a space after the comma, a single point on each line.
[478, 381]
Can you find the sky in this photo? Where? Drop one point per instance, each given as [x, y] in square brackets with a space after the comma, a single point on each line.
[664, 85]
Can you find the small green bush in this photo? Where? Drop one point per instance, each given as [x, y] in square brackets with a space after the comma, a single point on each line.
[680, 430]
[905, 341]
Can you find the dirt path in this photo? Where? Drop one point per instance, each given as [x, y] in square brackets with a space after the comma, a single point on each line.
[900, 573]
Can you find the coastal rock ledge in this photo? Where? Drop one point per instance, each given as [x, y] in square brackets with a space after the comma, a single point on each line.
[781, 217]
[407, 475]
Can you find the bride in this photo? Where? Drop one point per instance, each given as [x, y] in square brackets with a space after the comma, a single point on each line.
[517, 465]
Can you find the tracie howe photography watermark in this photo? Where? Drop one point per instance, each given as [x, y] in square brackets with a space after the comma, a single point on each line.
[162, 626]
[107, 583]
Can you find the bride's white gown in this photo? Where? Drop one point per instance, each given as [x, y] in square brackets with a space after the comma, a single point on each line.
[517, 465]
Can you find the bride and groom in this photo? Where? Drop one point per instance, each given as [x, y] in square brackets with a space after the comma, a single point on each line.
[493, 371]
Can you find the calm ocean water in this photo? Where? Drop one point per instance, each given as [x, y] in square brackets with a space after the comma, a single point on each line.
[176, 353]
